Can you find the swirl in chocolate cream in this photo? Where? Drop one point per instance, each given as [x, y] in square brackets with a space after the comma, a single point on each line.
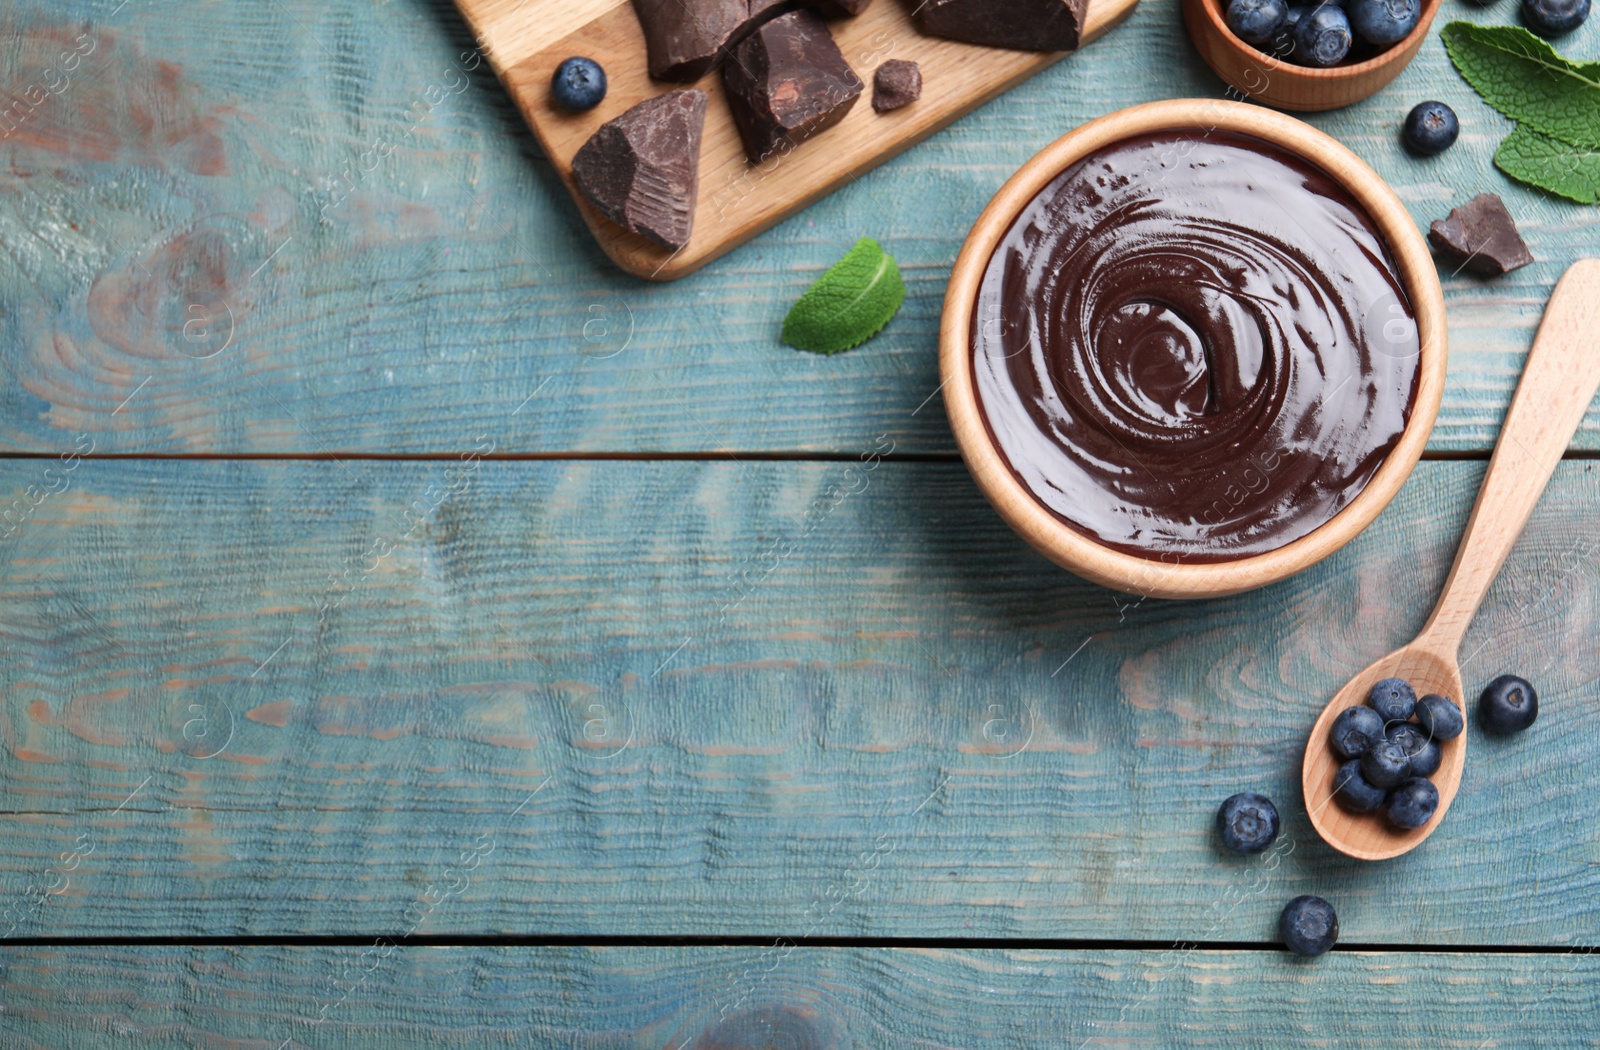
[1194, 346]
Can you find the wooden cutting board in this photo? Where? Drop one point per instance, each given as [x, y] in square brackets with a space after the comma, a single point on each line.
[526, 39]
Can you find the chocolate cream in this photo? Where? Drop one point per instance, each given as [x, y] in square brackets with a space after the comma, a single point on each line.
[1194, 345]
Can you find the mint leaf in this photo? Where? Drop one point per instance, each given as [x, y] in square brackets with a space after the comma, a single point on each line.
[1524, 78]
[1539, 160]
[848, 304]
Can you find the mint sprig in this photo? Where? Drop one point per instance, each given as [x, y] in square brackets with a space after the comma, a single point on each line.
[848, 304]
[1561, 168]
[1524, 78]
[1556, 102]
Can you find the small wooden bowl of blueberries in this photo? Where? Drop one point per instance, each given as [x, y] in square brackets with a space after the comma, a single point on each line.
[1299, 55]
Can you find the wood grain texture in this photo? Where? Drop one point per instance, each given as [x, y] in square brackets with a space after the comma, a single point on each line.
[737, 199]
[430, 272]
[1557, 386]
[729, 698]
[800, 999]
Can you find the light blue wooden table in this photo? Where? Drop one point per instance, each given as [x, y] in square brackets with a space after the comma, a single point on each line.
[396, 648]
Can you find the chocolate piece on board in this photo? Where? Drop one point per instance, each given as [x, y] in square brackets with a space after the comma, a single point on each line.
[787, 82]
[1024, 25]
[896, 83]
[1480, 236]
[642, 169]
[686, 39]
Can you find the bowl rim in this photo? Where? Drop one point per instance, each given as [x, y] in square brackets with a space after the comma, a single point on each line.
[1214, 17]
[1167, 576]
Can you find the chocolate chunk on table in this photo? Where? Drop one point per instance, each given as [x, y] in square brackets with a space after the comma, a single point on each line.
[686, 39]
[642, 169]
[1024, 25]
[1480, 236]
[896, 83]
[788, 81]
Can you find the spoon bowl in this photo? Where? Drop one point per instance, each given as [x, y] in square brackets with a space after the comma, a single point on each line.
[1367, 836]
[1558, 382]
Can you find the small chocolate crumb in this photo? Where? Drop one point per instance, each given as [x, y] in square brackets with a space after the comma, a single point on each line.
[1480, 236]
[786, 82]
[896, 83]
[642, 169]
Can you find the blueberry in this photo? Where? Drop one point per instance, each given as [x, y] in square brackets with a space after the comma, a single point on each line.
[1355, 731]
[1383, 22]
[1413, 803]
[579, 84]
[1554, 17]
[1256, 21]
[1282, 45]
[1430, 127]
[1394, 699]
[1408, 735]
[1322, 37]
[1308, 925]
[1439, 717]
[1425, 763]
[1422, 752]
[1247, 822]
[1508, 705]
[1386, 765]
[1354, 791]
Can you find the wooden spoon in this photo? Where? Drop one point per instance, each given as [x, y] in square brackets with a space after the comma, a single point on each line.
[1558, 382]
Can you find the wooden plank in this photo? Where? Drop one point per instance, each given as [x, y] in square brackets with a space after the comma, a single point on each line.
[413, 305]
[729, 698]
[390, 995]
[738, 200]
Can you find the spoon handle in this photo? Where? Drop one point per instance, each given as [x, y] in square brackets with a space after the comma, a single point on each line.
[1558, 382]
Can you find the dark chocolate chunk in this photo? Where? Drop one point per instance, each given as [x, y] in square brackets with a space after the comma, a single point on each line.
[787, 82]
[686, 39]
[1480, 236]
[838, 8]
[1025, 25]
[896, 83]
[642, 169]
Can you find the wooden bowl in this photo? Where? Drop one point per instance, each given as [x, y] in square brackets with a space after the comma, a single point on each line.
[1153, 576]
[1262, 78]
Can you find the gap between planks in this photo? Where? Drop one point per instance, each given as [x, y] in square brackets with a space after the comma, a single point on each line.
[761, 941]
